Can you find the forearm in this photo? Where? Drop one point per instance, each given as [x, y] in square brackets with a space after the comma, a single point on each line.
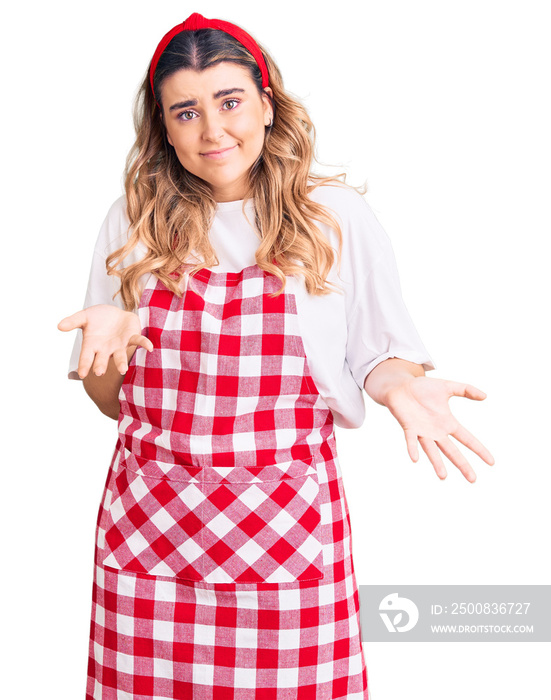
[388, 375]
[104, 391]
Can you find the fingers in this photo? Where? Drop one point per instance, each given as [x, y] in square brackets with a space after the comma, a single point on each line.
[85, 362]
[106, 333]
[76, 320]
[432, 449]
[142, 341]
[434, 455]
[101, 362]
[469, 440]
[466, 390]
[120, 360]
[455, 457]
[411, 442]
[98, 359]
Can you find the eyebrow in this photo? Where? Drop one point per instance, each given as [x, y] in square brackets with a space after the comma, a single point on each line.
[217, 96]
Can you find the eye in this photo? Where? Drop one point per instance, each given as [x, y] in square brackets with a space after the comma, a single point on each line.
[181, 115]
[232, 100]
[183, 118]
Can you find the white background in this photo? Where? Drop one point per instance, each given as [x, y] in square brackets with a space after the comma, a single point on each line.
[444, 109]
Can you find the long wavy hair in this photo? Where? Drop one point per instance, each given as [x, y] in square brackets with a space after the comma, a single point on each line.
[170, 209]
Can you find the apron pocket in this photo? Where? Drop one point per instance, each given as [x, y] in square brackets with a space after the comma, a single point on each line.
[216, 524]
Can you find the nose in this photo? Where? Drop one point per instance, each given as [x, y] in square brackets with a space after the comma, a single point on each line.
[212, 126]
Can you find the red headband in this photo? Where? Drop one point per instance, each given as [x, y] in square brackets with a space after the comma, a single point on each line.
[197, 21]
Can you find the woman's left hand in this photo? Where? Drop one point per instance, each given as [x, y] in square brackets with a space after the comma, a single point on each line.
[420, 405]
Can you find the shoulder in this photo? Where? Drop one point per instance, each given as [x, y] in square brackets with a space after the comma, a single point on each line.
[362, 232]
[338, 196]
[114, 233]
[114, 229]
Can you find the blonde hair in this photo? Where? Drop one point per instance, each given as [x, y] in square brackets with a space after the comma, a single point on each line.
[170, 210]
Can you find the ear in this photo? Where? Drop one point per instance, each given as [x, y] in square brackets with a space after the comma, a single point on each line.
[268, 103]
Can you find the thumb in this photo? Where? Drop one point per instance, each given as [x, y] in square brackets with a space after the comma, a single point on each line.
[468, 391]
[69, 323]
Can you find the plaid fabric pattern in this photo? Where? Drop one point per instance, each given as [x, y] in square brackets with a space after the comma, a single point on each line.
[219, 525]
[223, 549]
[228, 383]
[156, 637]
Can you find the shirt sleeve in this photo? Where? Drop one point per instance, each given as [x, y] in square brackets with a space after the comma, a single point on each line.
[102, 287]
[379, 325]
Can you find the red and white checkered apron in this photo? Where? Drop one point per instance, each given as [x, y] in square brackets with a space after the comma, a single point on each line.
[223, 563]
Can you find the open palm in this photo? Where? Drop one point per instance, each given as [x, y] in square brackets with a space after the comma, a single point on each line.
[106, 331]
[421, 407]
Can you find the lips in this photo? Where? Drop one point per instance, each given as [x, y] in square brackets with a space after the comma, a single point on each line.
[218, 154]
[209, 153]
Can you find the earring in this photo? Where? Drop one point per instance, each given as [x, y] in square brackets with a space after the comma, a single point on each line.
[271, 122]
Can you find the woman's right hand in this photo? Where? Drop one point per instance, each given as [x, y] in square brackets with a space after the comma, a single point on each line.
[106, 331]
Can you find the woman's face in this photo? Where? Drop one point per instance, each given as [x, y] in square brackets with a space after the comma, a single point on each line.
[218, 112]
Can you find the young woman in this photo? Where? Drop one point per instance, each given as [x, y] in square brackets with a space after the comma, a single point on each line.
[237, 306]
